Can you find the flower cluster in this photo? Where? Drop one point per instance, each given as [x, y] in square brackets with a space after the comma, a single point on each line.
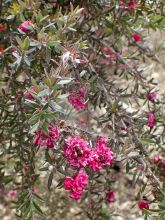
[101, 156]
[77, 99]
[76, 185]
[49, 139]
[79, 155]
[77, 151]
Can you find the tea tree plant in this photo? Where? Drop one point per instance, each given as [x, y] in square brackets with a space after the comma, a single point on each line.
[76, 104]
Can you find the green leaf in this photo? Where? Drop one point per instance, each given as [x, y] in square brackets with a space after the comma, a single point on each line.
[53, 43]
[64, 81]
[19, 41]
[127, 167]
[57, 107]
[50, 179]
[48, 157]
[44, 169]
[38, 209]
[63, 96]
[26, 44]
[34, 118]
[146, 141]
[38, 197]
[26, 213]
[34, 127]
[44, 92]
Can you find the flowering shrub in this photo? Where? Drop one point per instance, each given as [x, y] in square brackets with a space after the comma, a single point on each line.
[77, 107]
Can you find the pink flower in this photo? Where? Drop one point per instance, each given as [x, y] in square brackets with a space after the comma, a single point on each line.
[35, 190]
[101, 140]
[106, 49]
[77, 151]
[132, 4]
[101, 156]
[128, 6]
[163, 164]
[77, 184]
[83, 122]
[110, 196]
[25, 26]
[12, 194]
[151, 120]
[81, 180]
[29, 95]
[77, 102]
[153, 96]
[109, 54]
[68, 183]
[2, 52]
[49, 139]
[75, 195]
[77, 99]
[5, 205]
[136, 37]
[81, 92]
[3, 28]
[156, 159]
[143, 204]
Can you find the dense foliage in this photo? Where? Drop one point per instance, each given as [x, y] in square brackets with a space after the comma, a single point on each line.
[76, 105]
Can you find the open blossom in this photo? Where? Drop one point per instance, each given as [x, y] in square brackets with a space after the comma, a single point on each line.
[151, 120]
[25, 26]
[76, 185]
[12, 194]
[152, 96]
[101, 140]
[156, 159]
[77, 151]
[68, 183]
[49, 139]
[78, 103]
[101, 156]
[143, 204]
[110, 196]
[136, 37]
[77, 99]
